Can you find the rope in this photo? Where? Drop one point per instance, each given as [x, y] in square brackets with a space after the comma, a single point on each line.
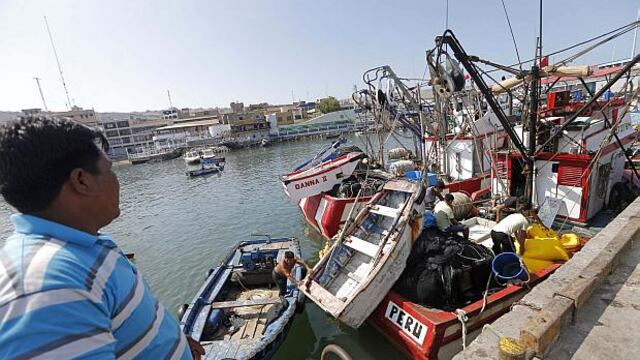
[462, 317]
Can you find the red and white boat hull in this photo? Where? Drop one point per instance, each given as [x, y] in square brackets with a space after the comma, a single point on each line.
[326, 213]
[424, 333]
[305, 183]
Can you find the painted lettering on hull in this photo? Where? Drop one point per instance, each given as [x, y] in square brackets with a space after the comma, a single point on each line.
[310, 182]
[403, 320]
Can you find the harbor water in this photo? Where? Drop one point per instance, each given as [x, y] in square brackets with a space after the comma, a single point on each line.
[179, 228]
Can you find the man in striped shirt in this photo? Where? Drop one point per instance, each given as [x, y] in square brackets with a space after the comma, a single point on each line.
[66, 290]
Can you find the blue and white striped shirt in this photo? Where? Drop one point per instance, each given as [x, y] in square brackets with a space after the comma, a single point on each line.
[67, 294]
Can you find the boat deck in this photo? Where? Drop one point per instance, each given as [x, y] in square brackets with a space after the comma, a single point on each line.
[249, 322]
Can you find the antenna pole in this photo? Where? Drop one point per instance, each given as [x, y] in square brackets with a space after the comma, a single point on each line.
[169, 96]
[37, 79]
[635, 36]
[55, 53]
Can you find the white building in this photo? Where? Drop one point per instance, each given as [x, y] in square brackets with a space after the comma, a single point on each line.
[179, 133]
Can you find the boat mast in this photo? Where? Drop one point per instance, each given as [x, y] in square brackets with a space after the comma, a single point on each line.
[635, 36]
[37, 79]
[55, 53]
[533, 113]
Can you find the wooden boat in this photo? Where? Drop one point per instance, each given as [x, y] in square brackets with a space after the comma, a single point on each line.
[320, 178]
[206, 170]
[359, 270]
[327, 212]
[238, 313]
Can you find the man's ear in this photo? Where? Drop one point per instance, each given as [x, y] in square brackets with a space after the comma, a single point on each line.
[82, 182]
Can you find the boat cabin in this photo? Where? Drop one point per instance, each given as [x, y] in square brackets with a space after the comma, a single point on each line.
[577, 167]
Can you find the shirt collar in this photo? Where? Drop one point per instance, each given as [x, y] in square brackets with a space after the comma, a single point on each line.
[29, 224]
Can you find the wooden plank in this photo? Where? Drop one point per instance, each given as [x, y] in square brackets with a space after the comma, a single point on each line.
[361, 246]
[242, 303]
[385, 211]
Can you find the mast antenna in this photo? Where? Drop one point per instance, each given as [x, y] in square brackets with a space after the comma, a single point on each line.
[55, 53]
[635, 36]
[169, 96]
[37, 79]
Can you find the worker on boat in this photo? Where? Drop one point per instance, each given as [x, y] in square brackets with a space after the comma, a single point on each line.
[510, 204]
[443, 212]
[433, 194]
[513, 227]
[67, 290]
[283, 271]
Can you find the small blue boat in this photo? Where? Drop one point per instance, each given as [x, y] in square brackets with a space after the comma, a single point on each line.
[206, 169]
[238, 313]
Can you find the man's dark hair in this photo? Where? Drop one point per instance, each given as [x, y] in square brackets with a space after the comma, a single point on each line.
[440, 184]
[289, 254]
[37, 154]
[525, 206]
[448, 197]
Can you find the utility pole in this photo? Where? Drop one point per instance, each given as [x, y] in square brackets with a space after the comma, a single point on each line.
[169, 96]
[37, 79]
[55, 53]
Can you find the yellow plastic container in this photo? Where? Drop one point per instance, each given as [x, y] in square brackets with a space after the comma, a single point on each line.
[535, 265]
[539, 230]
[570, 241]
[540, 248]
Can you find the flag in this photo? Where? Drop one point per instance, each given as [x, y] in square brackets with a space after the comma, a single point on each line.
[544, 61]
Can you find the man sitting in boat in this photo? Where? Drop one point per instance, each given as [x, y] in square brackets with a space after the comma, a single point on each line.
[512, 227]
[445, 220]
[283, 270]
[433, 193]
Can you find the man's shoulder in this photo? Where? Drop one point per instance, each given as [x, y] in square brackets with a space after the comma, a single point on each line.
[49, 262]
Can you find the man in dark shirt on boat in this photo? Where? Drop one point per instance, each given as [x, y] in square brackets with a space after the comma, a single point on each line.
[283, 271]
[434, 193]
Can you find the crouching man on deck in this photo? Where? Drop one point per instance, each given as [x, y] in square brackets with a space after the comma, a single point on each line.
[445, 220]
[283, 271]
[66, 289]
[513, 227]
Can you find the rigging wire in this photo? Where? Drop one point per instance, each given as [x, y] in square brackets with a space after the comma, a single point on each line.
[512, 36]
[623, 30]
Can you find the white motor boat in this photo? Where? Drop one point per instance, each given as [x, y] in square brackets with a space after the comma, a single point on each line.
[192, 157]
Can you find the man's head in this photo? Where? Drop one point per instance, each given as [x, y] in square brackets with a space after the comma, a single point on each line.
[439, 185]
[289, 258]
[448, 199]
[525, 207]
[49, 165]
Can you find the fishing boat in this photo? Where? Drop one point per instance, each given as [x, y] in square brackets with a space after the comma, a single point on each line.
[208, 155]
[206, 169]
[192, 157]
[567, 161]
[238, 313]
[323, 177]
[362, 265]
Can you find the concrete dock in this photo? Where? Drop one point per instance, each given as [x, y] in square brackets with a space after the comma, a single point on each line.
[587, 309]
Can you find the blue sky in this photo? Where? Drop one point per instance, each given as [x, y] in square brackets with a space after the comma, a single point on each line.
[123, 55]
